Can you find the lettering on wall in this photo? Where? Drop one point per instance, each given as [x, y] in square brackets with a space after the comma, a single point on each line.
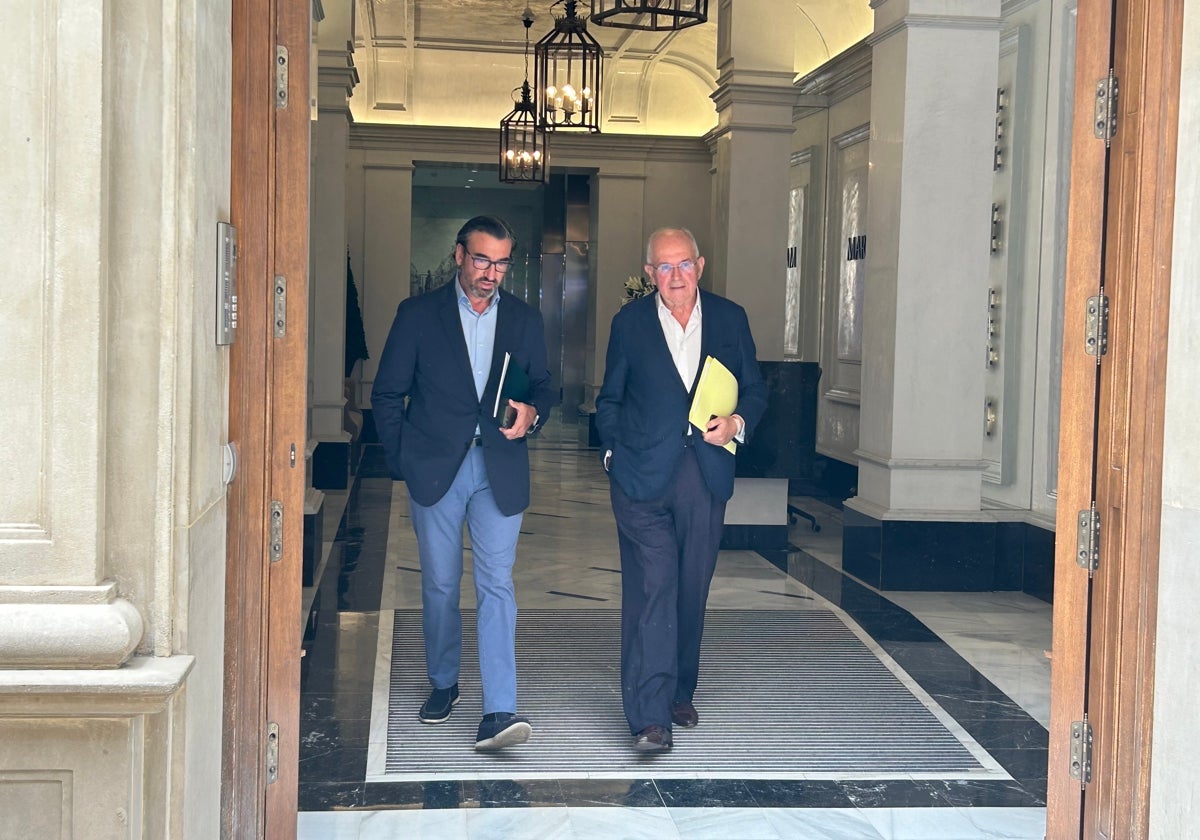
[791, 257]
[856, 248]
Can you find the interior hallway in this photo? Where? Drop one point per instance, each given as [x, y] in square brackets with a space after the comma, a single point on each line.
[978, 659]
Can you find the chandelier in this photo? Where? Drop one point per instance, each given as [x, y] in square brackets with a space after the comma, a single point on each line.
[567, 75]
[523, 146]
[663, 14]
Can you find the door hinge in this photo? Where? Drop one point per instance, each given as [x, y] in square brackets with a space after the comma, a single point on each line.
[1087, 540]
[272, 752]
[1096, 332]
[1106, 108]
[281, 76]
[276, 531]
[280, 306]
[1081, 751]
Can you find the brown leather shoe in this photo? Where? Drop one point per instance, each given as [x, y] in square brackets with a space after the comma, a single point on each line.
[652, 739]
[684, 714]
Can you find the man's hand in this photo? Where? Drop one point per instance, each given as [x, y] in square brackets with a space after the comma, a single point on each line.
[526, 416]
[720, 430]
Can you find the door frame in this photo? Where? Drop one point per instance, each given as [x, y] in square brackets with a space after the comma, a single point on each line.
[267, 418]
[269, 206]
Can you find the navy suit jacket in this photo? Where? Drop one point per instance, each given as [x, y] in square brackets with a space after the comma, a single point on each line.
[642, 407]
[424, 401]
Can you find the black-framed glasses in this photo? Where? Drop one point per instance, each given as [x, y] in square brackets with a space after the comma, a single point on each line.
[483, 263]
[665, 269]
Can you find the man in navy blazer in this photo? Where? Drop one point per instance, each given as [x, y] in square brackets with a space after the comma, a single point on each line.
[435, 406]
[669, 481]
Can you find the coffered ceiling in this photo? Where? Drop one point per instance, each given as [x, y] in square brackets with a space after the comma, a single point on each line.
[457, 62]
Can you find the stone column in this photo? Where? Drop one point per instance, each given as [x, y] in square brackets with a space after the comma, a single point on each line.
[752, 147]
[106, 200]
[618, 247]
[387, 250]
[56, 609]
[327, 336]
[933, 99]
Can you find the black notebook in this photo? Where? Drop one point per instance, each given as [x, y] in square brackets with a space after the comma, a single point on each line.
[514, 385]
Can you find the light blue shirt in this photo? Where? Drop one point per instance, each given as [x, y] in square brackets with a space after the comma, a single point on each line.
[479, 330]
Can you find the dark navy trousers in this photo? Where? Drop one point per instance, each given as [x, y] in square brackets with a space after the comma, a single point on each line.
[668, 555]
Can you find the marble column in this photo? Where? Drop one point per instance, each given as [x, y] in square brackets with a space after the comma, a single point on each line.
[618, 247]
[924, 308]
[747, 260]
[387, 250]
[327, 337]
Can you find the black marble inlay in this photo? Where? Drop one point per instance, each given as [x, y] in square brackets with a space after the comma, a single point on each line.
[705, 793]
[754, 537]
[352, 576]
[626, 793]
[331, 465]
[948, 556]
[330, 796]
[769, 793]
[442, 793]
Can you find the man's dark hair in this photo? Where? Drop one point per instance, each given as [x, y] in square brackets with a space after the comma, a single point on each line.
[493, 226]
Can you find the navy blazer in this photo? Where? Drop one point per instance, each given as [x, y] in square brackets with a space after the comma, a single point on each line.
[642, 407]
[424, 401]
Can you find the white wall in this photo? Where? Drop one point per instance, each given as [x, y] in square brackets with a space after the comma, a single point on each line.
[1175, 787]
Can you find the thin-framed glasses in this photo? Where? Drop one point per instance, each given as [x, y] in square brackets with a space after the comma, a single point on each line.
[665, 269]
[483, 263]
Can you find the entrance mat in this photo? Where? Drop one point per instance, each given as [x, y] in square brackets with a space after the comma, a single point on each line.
[784, 694]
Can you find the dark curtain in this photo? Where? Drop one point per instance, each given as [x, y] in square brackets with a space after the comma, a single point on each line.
[356, 336]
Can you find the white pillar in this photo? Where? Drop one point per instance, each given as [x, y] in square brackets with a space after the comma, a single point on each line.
[387, 251]
[924, 328]
[754, 97]
[619, 248]
[328, 233]
[56, 609]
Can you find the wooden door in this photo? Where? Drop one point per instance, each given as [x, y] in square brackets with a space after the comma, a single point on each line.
[269, 208]
[1120, 231]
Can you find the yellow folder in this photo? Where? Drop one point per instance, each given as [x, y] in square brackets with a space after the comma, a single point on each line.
[716, 396]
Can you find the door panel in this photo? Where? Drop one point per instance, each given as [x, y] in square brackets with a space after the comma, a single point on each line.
[269, 207]
[1077, 440]
[1120, 697]
[1108, 680]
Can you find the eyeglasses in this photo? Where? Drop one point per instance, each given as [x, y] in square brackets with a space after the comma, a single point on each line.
[483, 263]
[665, 269]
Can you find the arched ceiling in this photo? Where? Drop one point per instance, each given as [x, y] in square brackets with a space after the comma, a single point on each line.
[458, 62]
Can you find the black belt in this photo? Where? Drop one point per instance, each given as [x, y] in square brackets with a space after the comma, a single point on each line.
[477, 441]
[689, 439]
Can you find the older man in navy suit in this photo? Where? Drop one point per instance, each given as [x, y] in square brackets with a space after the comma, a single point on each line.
[670, 480]
[433, 400]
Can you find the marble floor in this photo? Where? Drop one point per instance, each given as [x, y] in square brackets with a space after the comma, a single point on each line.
[979, 657]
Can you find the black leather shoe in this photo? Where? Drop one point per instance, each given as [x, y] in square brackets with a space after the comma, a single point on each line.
[652, 739]
[498, 730]
[684, 714]
[437, 708]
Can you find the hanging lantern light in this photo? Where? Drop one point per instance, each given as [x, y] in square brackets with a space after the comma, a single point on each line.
[523, 143]
[653, 15]
[567, 64]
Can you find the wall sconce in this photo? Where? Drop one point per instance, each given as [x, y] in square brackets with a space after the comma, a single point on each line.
[567, 67]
